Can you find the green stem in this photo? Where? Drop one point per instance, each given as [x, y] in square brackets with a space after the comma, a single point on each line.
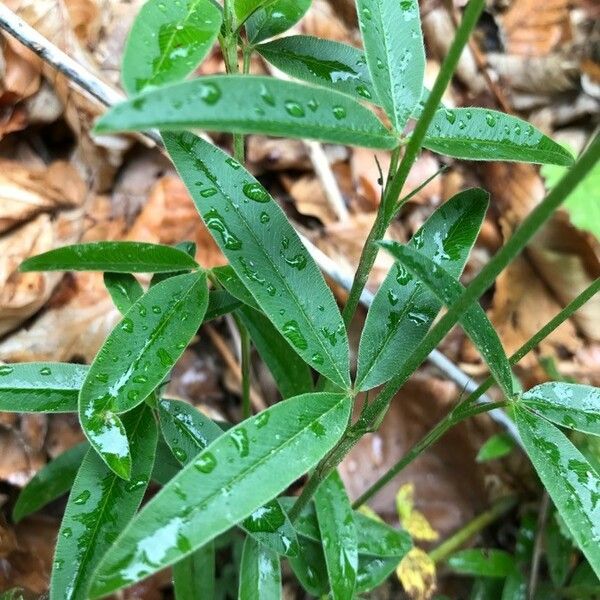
[478, 524]
[389, 204]
[246, 357]
[453, 418]
[530, 226]
[464, 407]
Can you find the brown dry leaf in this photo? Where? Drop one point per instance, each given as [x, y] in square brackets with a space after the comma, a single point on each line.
[23, 294]
[27, 192]
[309, 198]
[449, 485]
[18, 462]
[321, 20]
[521, 306]
[29, 562]
[268, 154]
[533, 29]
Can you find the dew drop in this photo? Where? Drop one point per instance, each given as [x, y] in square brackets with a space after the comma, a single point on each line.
[241, 441]
[5, 370]
[294, 109]
[206, 463]
[45, 371]
[67, 532]
[234, 164]
[267, 97]
[339, 112]
[215, 222]
[450, 116]
[209, 192]
[264, 218]
[164, 357]
[392, 298]
[291, 330]
[318, 429]
[366, 13]
[490, 119]
[317, 358]
[156, 310]
[82, 498]
[210, 93]
[297, 262]
[180, 455]
[262, 419]
[255, 191]
[363, 91]
[313, 105]
[127, 326]
[140, 379]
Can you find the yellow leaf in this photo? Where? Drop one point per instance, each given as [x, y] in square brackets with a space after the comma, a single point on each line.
[369, 512]
[416, 573]
[405, 501]
[419, 528]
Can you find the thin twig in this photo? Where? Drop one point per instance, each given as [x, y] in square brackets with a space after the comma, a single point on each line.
[538, 546]
[107, 96]
[219, 343]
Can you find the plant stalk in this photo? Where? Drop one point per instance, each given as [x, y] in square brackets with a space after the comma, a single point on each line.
[389, 203]
[451, 419]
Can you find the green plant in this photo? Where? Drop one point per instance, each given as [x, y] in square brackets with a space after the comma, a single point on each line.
[216, 480]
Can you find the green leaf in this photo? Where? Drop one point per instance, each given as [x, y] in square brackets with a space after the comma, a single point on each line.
[244, 8]
[168, 41]
[583, 210]
[124, 289]
[572, 483]
[166, 466]
[135, 358]
[496, 447]
[292, 375]
[566, 404]
[116, 257]
[274, 18]
[482, 563]
[220, 303]
[260, 573]
[310, 569]
[194, 576]
[50, 482]
[251, 104]
[225, 484]
[474, 320]
[338, 532]
[515, 586]
[228, 278]
[559, 551]
[266, 254]
[326, 63]
[403, 308]
[187, 432]
[40, 387]
[99, 507]
[374, 538]
[373, 571]
[481, 134]
[391, 31]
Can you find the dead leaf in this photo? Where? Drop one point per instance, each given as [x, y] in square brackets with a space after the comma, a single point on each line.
[416, 572]
[533, 29]
[309, 198]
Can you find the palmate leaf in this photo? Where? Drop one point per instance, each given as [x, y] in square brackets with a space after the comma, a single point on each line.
[116, 257]
[338, 532]
[41, 387]
[380, 548]
[566, 404]
[134, 360]
[187, 432]
[274, 17]
[393, 41]
[50, 482]
[482, 134]
[474, 320]
[100, 505]
[260, 573]
[168, 41]
[571, 481]
[266, 254]
[251, 104]
[242, 470]
[403, 308]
